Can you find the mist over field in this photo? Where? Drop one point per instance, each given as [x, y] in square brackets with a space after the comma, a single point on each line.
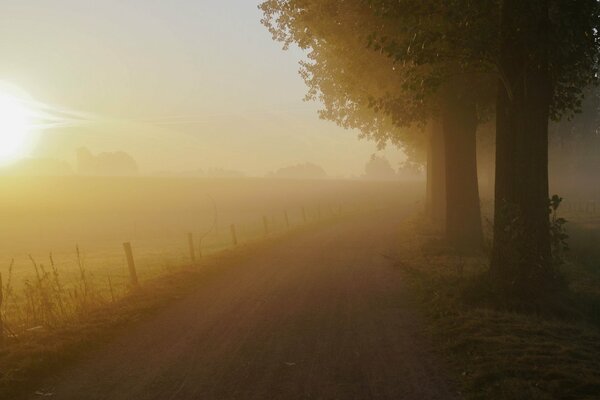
[53, 215]
[300, 199]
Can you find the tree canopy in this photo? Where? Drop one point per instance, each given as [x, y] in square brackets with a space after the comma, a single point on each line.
[355, 84]
[393, 55]
[389, 66]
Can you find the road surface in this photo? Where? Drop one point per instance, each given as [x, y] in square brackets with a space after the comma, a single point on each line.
[322, 315]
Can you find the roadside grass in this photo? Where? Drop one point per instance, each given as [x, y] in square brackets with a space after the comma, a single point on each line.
[28, 358]
[37, 352]
[496, 353]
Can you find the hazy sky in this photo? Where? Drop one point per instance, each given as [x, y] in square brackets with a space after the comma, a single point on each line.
[179, 84]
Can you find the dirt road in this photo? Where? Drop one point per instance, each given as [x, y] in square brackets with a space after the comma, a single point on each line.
[322, 316]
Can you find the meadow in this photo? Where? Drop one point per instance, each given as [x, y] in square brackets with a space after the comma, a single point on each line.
[61, 238]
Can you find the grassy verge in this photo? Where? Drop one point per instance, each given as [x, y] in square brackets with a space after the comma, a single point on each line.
[499, 354]
[27, 359]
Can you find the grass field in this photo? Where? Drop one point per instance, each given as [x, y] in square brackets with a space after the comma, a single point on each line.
[44, 221]
[51, 215]
[498, 353]
[53, 314]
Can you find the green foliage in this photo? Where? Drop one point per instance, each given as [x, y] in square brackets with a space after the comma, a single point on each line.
[496, 348]
[379, 64]
[574, 55]
[359, 87]
[523, 273]
[558, 231]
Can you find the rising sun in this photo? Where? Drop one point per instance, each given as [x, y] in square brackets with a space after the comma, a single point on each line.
[16, 125]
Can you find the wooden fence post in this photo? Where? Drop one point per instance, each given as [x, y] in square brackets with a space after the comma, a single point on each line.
[191, 246]
[304, 214]
[234, 235]
[131, 263]
[200, 247]
[287, 219]
[110, 287]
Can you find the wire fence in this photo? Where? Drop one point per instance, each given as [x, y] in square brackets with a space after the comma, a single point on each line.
[574, 209]
[60, 289]
[583, 207]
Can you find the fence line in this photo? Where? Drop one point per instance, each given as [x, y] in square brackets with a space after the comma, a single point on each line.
[234, 239]
[192, 249]
[131, 264]
[40, 300]
[583, 206]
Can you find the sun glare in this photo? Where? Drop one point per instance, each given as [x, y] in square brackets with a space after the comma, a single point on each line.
[16, 127]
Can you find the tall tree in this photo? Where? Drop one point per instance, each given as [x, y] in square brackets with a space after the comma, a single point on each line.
[365, 70]
[435, 199]
[539, 54]
[548, 55]
[451, 44]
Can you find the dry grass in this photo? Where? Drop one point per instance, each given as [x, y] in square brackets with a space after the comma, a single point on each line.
[36, 352]
[499, 354]
[45, 291]
[45, 214]
[51, 324]
[55, 306]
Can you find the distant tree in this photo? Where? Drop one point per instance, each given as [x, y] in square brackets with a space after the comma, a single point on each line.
[300, 171]
[379, 168]
[110, 164]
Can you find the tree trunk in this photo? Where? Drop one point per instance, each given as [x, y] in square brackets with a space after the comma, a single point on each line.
[436, 178]
[521, 255]
[463, 213]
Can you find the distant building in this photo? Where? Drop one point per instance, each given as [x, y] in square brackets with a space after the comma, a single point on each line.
[110, 164]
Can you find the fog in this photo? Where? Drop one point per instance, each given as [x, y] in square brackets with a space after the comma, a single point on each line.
[293, 199]
[181, 86]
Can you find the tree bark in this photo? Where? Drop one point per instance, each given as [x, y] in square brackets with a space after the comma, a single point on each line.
[436, 175]
[521, 255]
[463, 212]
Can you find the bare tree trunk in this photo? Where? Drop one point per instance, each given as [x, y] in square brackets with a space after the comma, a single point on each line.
[436, 176]
[521, 256]
[463, 212]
